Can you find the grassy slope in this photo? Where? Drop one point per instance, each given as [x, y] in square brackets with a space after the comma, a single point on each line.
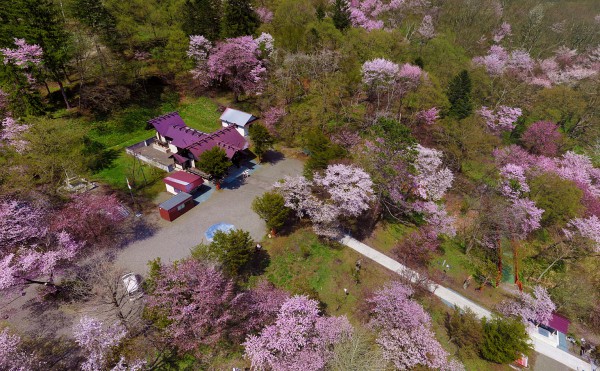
[300, 263]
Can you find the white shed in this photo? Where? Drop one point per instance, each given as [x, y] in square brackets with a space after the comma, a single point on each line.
[241, 120]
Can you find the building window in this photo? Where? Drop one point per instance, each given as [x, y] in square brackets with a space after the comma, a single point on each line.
[180, 207]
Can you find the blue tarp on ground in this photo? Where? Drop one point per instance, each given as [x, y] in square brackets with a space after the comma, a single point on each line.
[224, 227]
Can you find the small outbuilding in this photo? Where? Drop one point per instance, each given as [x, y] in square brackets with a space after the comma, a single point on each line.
[181, 181]
[176, 206]
[241, 120]
[555, 332]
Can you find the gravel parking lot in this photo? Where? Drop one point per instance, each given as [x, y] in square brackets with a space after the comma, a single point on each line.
[173, 240]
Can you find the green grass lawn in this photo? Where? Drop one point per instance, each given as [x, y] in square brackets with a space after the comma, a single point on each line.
[200, 113]
[302, 264]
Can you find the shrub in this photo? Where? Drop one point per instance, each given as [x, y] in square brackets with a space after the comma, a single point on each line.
[504, 340]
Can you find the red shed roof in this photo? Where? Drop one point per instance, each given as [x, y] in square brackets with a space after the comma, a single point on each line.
[183, 181]
[559, 323]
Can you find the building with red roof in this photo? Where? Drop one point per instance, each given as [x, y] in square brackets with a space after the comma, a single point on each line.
[181, 181]
[187, 145]
[555, 332]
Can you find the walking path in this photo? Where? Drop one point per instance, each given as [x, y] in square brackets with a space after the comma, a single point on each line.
[460, 301]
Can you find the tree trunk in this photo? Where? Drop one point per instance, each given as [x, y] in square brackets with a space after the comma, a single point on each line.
[516, 265]
[499, 274]
[45, 283]
[47, 87]
[62, 91]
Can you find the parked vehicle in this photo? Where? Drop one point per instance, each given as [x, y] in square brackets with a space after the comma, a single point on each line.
[132, 284]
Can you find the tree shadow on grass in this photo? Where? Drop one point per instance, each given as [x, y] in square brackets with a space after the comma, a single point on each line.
[259, 263]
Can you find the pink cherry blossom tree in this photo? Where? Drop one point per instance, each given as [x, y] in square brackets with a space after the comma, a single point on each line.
[501, 119]
[89, 217]
[11, 134]
[543, 138]
[426, 29]
[204, 307]
[12, 357]
[411, 74]
[26, 57]
[264, 14]
[432, 179]
[501, 32]
[428, 117]
[525, 217]
[404, 330]
[536, 308]
[197, 300]
[342, 191]
[380, 77]
[514, 182]
[300, 339]
[495, 61]
[29, 250]
[587, 228]
[97, 339]
[243, 74]
[349, 187]
[23, 55]
[272, 117]
[437, 218]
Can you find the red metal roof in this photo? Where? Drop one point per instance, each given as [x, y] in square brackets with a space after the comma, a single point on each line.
[164, 122]
[183, 181]
[559, 323]
[183, 137]
[179, 158]
[227, 138]
[172, 126]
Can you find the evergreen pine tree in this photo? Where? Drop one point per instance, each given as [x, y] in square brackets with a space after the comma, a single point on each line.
[459, 95]
[341, 14]
[202, 17]
[239, 19]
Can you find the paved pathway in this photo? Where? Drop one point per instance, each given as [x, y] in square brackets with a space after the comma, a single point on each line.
[452, 297]
[231, 205]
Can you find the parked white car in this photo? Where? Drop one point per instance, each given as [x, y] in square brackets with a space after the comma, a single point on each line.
[132, 285]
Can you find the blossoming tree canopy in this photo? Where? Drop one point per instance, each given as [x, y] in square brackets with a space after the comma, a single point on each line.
[503, 118]
[536, 308]
[341, 191]
[405, 334]
[23, 55]
[30, 250]
[300, 339]
[239, 63]
[97, 339]
[432, 180]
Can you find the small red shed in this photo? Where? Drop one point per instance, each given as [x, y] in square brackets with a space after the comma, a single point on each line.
[181, 181]
[176, 206]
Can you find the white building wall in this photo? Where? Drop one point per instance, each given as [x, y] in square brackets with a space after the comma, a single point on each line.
[172, 148]
[172, 190]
